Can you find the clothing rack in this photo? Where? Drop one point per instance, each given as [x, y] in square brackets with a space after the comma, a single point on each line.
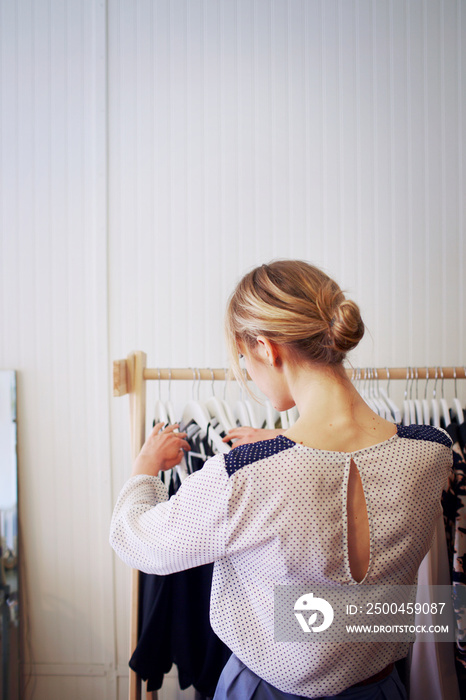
[130, 377]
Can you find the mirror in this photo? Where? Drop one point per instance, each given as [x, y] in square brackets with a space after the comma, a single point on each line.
[9, 610]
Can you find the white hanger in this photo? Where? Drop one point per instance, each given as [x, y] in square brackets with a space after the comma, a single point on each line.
[293, 415]
[254, 420]
[172, 418]
[195, 411]
[216, 410]
[444, 404]
[418, 402]
[394, 410]
[457, 408]
[160, 412]
[240, 411]
[425, 403]
[367, 392]
[284, 420]
[226, 406]
[271, 415]
[435, 413]
[409, 411]
[382, 408]
[163, 414]
[372, 393]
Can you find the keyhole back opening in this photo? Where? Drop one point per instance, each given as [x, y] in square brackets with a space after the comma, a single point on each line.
[358, 525]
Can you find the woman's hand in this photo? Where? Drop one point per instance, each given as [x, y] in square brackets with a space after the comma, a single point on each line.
[162, 450]
[245, 435]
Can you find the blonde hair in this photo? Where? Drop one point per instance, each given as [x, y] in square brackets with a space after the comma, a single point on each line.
[293, 304]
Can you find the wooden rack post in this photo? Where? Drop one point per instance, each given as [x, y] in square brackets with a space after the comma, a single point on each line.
[130, 376]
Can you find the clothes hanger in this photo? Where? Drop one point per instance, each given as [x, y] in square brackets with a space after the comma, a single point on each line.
[385, 393]
[195, 411]
[382, 407]
[425, 403]
[164, 412]
[444, 412]
[271, 416]
[435, 406]
[168, 404]
[284, 420]
[254, 410]
[409, 412]
[254, 420]
[160, 412]
[240, 411]
[293, 415]
[418, 402]
[412, 406]
[367, 395]
[226, 406]
[216, 410]
[457, 408]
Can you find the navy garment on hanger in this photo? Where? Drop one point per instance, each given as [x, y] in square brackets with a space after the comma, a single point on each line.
[175, 629]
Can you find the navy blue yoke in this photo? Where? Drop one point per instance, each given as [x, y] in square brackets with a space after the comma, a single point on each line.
[243, 455]
[424, 432]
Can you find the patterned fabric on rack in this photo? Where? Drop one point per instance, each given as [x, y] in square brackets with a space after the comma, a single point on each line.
[454, 509]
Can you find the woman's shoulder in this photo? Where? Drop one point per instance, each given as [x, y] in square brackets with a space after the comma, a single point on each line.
[243, 455]
[427, 433]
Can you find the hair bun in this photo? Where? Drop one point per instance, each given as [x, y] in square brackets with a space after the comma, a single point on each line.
[346, 327]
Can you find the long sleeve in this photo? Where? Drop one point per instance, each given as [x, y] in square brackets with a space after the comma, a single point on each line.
[158, 535]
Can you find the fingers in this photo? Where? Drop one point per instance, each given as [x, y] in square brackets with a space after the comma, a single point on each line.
[242, 441]
[171, 428]
[164, 429]
[185, 445]
[238, 433]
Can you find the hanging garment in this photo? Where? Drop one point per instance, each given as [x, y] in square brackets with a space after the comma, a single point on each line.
[175, 629]
[432, 673]
[454, 509]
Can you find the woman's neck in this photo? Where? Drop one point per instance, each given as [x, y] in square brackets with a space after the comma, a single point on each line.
[332, 414]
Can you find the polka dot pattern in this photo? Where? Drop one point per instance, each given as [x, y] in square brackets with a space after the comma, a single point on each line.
[275, 513]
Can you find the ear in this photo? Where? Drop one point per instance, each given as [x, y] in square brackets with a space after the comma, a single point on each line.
[268, 351]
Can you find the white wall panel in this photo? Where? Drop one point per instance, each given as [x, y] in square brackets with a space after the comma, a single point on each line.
[242, 131]
[54, 333]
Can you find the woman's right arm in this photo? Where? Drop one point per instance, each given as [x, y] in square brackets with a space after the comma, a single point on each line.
[158, 535]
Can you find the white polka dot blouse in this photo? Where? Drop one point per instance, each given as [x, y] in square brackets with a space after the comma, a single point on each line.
[274, 512]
